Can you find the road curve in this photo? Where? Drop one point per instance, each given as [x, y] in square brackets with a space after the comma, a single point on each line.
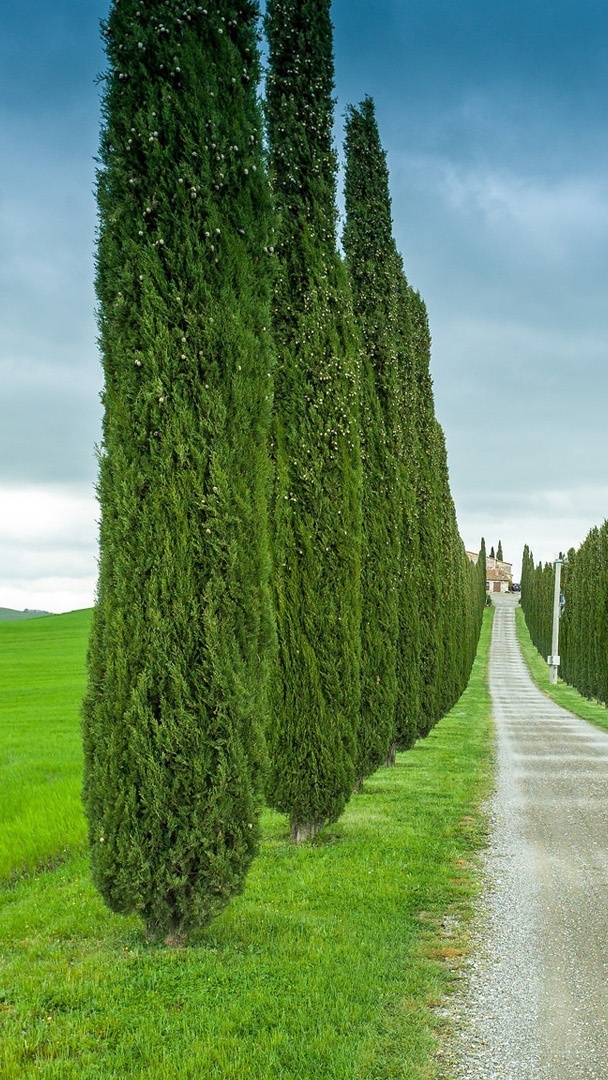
[534, 1004]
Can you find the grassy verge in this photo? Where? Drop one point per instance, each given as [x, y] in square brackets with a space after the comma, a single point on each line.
[42, 672]
[561, 692]
[329, 966]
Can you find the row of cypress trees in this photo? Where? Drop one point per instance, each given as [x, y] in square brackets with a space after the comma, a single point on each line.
[283, 596]
[583, 632]
[418, 586]
[584, 624]
[537, 589]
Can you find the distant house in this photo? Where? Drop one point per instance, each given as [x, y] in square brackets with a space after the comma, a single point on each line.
[499, 576]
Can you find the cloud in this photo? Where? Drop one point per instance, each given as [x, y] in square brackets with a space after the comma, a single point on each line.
[573, 503]
[49, 421]
[48, 546]
[51, 376]
[551, 214]
[548, 519]
[545, 535]
[494, 119]
[513, 268]
[526, 221]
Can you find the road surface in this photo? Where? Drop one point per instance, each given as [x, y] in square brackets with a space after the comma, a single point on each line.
[534, 1004]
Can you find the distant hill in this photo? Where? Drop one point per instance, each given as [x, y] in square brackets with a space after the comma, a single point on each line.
[9, 615]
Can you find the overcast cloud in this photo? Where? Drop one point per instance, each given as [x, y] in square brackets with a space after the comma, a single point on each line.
[494, 119]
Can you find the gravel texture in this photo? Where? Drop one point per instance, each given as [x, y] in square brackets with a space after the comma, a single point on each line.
[533, 1004]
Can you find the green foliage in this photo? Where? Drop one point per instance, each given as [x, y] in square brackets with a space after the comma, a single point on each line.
[182, 630]
[584, 624]
[413, 558]
[450, 603]
[409, 649]
[583, 628]
[422, 452]
[317, 496]
[482, 572]
[537, 588]
[499, 551]
[329, 966]
[374, 268]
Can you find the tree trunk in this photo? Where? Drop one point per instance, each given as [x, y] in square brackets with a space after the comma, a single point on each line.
[175, 938]
[391, 754]
[301, 832]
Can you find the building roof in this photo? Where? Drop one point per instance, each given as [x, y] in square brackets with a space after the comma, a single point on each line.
[501, 572]
[496, 569]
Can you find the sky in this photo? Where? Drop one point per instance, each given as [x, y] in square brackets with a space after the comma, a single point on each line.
[493, 116]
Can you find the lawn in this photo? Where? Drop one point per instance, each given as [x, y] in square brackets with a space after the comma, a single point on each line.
[561, 692]
[42, 671]
[332, 963]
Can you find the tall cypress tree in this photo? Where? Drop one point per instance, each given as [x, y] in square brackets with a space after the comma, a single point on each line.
[432, 567]
[317, 503]
[374, 269]
[178, 657]
[584, 624]
[482, 572]
[450, 604]
[527, 569]
[410, 673]
[460, 604]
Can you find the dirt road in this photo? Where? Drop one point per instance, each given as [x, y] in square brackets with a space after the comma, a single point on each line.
[535, 998]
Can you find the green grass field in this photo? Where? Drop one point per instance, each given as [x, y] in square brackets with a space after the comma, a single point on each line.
[561, 692]
[331, 964]
[42, 672]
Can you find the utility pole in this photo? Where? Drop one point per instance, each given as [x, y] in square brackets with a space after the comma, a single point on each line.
[553, 660]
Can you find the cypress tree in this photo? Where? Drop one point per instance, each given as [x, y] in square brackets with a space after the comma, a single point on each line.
[453, 610]
[499, 551]
[482, 571]
[590, 644]
[317, 499]
[601, 686]
[374, 268]
[526, 584]
[537, 600]
[449, 604]
[182, 630]
[565, 620]
[432, 569]
[411, 569]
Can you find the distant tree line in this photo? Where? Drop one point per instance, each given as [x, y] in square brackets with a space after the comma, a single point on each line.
[583, 631]
[284, 600]
[537, 588]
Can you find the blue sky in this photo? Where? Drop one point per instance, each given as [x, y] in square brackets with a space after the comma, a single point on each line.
[494, 120]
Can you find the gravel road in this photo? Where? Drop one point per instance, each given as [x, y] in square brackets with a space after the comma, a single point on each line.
[534, 999]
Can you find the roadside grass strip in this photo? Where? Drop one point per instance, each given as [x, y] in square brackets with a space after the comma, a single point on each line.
[331, 965]
[42, 674]
[561, 692]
